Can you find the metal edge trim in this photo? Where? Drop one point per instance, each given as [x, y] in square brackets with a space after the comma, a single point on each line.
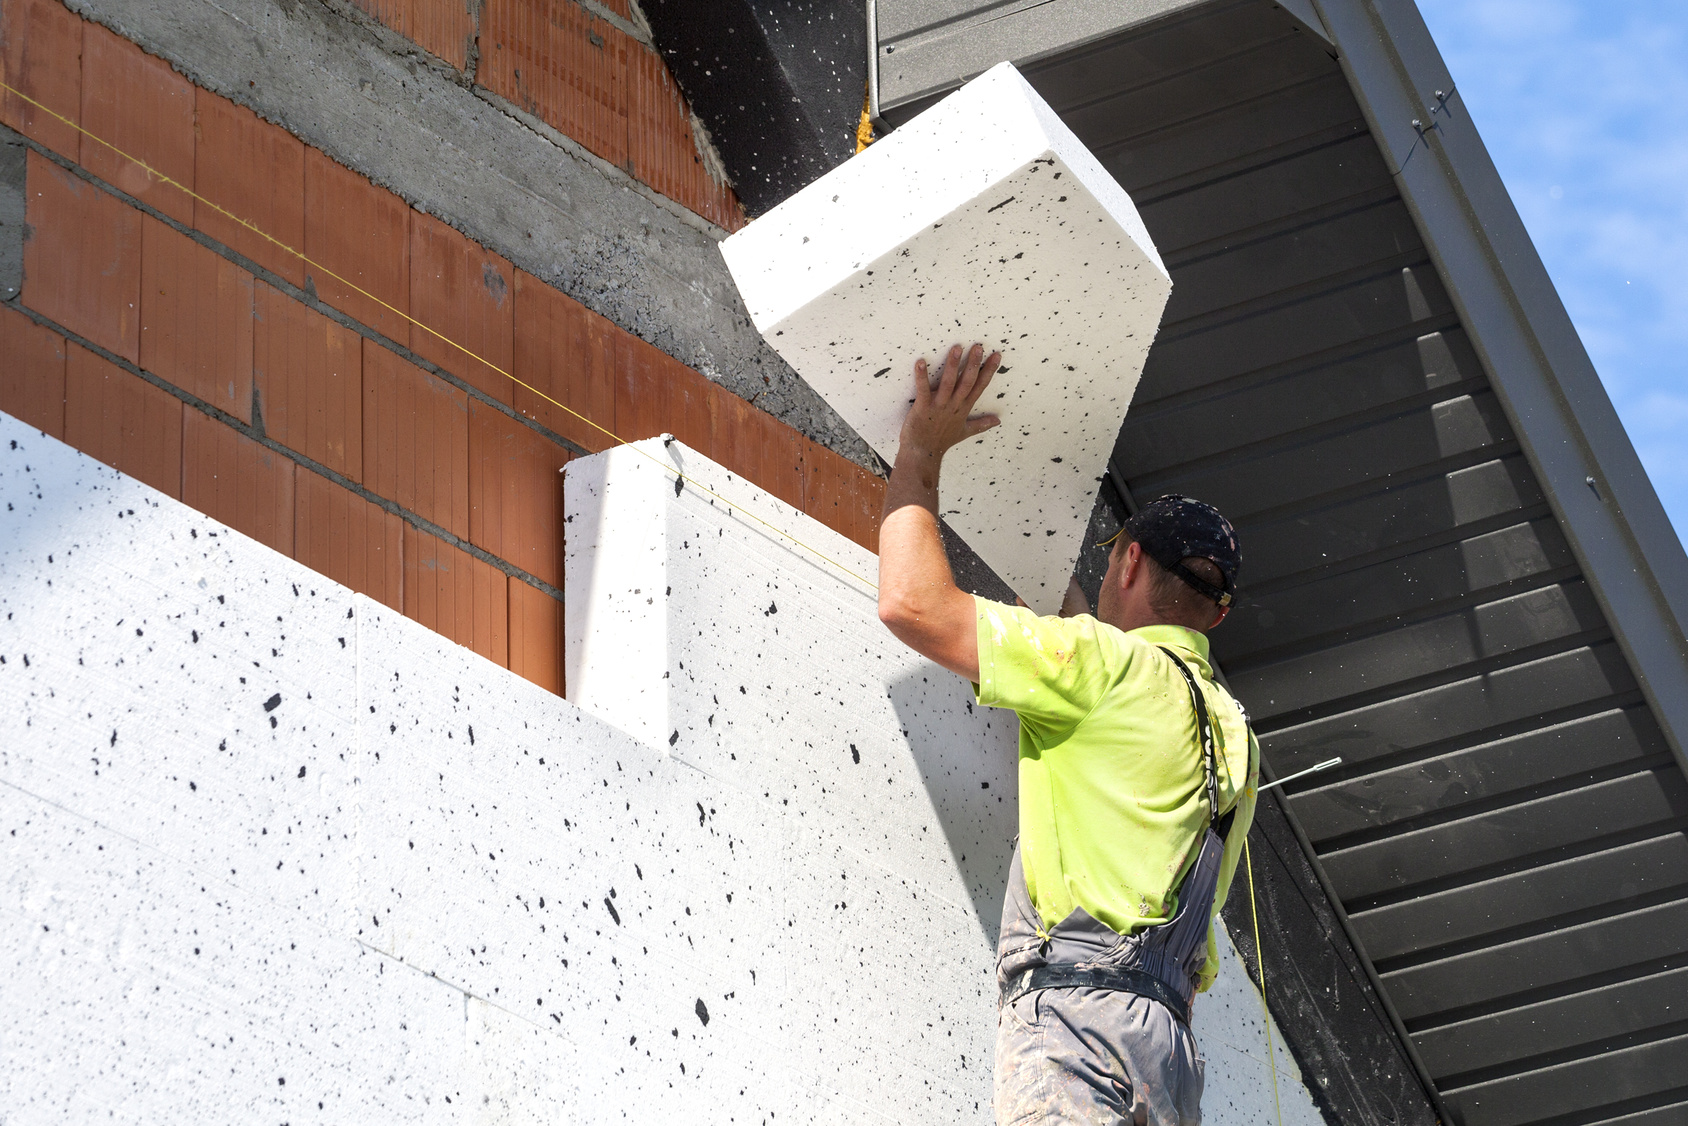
[873, 62]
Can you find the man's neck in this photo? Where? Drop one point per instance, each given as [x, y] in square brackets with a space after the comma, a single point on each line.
[1127, 619]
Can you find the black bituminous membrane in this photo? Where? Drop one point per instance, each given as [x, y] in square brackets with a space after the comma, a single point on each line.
[778, 83]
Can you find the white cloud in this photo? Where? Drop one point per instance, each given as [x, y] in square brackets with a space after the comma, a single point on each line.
[1584, 107]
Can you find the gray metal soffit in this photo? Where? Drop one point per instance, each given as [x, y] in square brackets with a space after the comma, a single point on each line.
[1458, 575]
[924, 48]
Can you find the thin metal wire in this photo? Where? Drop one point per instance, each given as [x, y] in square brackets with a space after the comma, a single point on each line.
[319, 267]
[1326, 765]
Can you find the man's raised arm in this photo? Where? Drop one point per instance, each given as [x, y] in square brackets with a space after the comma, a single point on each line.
[918, 599]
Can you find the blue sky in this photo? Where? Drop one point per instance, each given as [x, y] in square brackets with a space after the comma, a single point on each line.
[1584, 107]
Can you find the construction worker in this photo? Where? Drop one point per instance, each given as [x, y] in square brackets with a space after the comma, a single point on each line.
[1137, 783]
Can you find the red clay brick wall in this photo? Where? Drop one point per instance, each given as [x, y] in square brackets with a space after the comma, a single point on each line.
[377, 452]
[580, 74]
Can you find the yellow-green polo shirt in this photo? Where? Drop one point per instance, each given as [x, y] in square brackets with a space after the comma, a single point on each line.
[1112, 797]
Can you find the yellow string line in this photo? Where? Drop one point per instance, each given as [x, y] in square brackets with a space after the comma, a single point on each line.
[1260, 962]
[318, 266]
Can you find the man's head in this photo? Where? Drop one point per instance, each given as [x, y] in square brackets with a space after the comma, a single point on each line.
[1174, 562]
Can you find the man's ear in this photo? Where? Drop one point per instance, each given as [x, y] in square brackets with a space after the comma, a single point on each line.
[1133, 569]
[1223, 613]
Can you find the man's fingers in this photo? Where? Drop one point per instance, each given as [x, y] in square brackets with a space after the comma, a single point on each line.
[946, 378]
[992, 362]
[922, 383]
[969, 373]
[980, 423]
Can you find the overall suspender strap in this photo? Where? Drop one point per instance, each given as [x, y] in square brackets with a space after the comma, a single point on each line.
[1210, 759]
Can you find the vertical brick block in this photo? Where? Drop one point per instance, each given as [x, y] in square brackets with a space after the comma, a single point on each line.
[231, 478]
[388, 13]
[462, 292]
[32, 362]
[443, 28]
[516, 493]
[759, 447]
[641, 391]
[562, 64]
[565, 354]
[342, 535]
[82, 258]
[536, 636]
[657, 394]
[842, 495]
[144, 109]
[658, 129]
[255, 172]
[196, 319]
[122, 420]
[450, 591]
[307, 372]
[358, 236]
[661, 150]
[41, 56]
[415, 439]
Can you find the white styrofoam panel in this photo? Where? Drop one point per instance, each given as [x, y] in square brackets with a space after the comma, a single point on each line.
[179, 687]
[712, 633]
[982, 219]
[522, 848]
[137, 989]
[498, 872]
[530, 1076]
[808, 865]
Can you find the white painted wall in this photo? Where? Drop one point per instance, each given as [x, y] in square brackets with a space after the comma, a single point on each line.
[390, 893]
[982, 219]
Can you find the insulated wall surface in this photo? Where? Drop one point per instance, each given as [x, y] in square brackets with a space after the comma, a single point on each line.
[273, 852]
[1506, 833]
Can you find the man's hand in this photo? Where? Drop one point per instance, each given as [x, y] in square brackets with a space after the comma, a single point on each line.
[943, 415]
[918, 598]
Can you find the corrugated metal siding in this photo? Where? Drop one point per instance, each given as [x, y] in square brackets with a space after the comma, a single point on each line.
[1507, 831]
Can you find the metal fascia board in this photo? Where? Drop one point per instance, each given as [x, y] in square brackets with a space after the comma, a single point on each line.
[873, 60]
[1535, 361]
[1303, 11]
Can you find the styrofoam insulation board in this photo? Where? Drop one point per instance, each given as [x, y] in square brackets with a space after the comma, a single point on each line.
[397, 893]
[982, 219]
[693, 624]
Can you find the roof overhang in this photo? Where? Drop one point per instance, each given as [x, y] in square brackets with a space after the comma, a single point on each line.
[921, 49]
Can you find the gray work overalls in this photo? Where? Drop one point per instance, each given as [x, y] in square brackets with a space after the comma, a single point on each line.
[1094, 1024]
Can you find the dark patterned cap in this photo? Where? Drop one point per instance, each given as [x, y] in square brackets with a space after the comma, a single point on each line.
[1174, 528]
